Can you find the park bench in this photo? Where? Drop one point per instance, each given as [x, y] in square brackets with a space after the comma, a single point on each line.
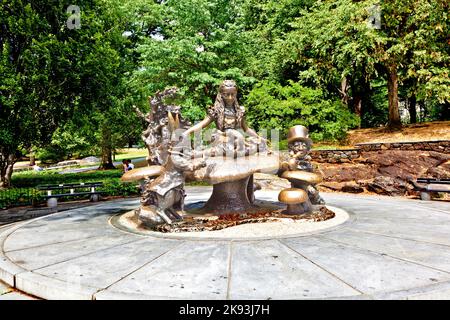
[70, 190]
[426, 186]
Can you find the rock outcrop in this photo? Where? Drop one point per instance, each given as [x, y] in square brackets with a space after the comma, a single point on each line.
[386, 172]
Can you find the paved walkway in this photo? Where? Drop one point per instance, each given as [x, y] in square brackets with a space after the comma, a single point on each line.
[7, 292]
[95, 167]
[389, 248]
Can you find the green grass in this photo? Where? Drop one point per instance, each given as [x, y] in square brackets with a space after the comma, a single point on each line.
[327, 147]
[131, 153]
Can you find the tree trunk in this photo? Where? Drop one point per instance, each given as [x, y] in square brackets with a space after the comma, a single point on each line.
[32, 159]
[394, 114]
[446, 111]
[6, 169]
[344, 91]
[107, 149]
[357, 105]
[360, 97]
[412, 109]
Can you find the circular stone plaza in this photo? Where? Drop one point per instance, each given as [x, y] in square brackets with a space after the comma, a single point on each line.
[374, 248]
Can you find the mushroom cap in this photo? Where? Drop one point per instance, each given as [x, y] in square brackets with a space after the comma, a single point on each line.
[142, 173]
[226, 169]
[302, 176]
[292, 196]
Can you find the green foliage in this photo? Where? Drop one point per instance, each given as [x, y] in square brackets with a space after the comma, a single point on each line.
[272, 106]
[33, 179]
[378, 113]
[68, 91]
[118, 188]
[195, 46]
[51, 73]
[67, 141]
[283, 145]
[24, 192]
[19, 196]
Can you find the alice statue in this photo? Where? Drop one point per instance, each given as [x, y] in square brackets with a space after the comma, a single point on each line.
[229, 118]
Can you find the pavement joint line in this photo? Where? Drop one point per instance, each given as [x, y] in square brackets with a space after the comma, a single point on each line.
[369, 204]
[53, 264]
[4, 234]
[12, 290]
[48, 244]
[390, 199]
[32, 247]
[136, 270]
[431, 209]
[27, 270]
[385, 254]
[42, 276]
[392, 219]
[396, 237]
[86, 254]
[324, 269]
[429, 288]
[230, 259]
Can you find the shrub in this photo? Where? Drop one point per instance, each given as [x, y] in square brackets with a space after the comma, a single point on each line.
[19, 196]
[273, 106]
[118, 188]
[33, 179]
[24, 192]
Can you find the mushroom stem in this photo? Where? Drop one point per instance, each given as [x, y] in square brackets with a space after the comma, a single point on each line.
[295, 209]
[307, 206]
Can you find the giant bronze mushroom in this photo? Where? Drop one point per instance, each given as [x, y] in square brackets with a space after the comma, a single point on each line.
[302, 179]
[294, 199]
[139, 174]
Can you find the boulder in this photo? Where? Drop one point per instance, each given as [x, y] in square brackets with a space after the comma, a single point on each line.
[387, 186]
[384, 172]
[352, 187]
[89, 160]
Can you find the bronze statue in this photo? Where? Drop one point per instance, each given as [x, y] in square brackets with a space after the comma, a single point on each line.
[163, 198]
[228, 139]
[157, 134]
[229, 118]
[173, 160]
[299, 145]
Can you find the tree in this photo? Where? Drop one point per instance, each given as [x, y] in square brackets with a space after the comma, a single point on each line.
[334, 40]
[37, 63]
[273, 106]
[194, 45]
[52, 73]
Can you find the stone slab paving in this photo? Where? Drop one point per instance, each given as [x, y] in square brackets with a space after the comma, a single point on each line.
[9, 293]
[390, 248]
[271, 270]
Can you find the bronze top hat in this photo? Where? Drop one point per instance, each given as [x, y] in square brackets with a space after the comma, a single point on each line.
[298, 133]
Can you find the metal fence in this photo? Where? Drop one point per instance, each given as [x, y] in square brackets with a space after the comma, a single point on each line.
[15, 197]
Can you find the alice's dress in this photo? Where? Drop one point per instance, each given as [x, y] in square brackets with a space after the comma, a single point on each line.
[228, 138]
